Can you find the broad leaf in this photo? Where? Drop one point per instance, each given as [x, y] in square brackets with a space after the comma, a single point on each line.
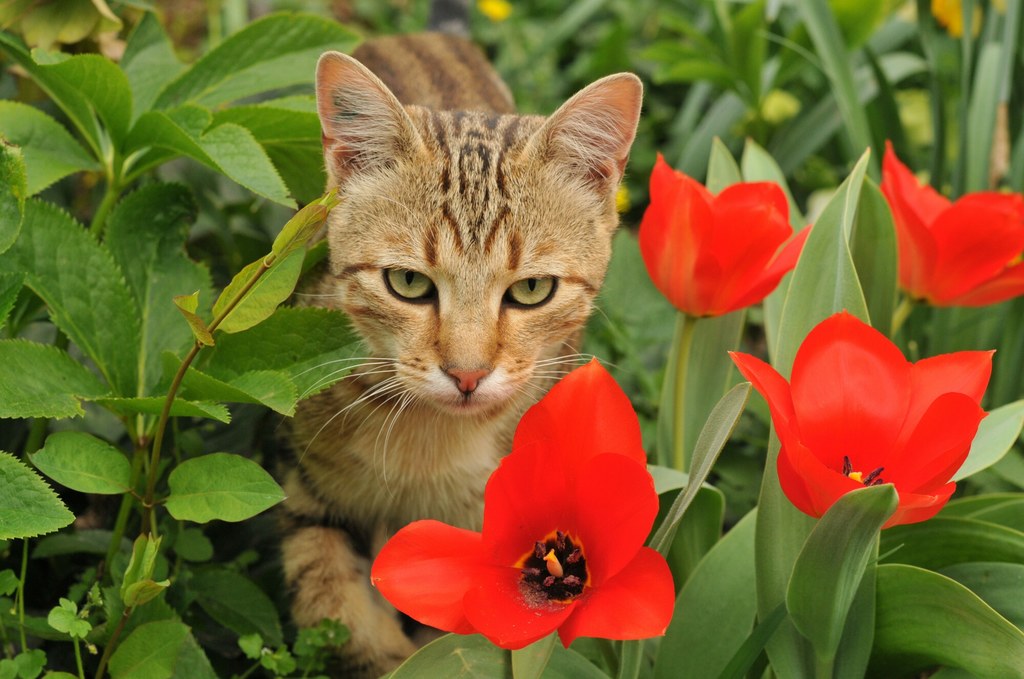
[13, 189]
[236, 602]
[160, 650]
[944, 541]
[57, 383]
[10, 286]
[998, 584]
[220, 486]
[256, 291]
[274, 52]
[530, 662]
[153, 405]
[829, 569]
[146, 234]
[238, 155]
[297, 232]
[873, 246]
[996, 435]
[313, 347]
[50, 152]
[82, 462]
[723, 171]
[83, 288]
[271, 388]
[149, 61]
[926, 619]
[28, 506]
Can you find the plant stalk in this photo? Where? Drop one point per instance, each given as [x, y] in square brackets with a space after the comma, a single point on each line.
[630, 659]
[21, 594]
[903, 311]
[689, 323]
[109, 648]
[78, 657]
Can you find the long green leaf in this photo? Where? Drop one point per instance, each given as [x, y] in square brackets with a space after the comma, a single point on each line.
[998, 584]
[981, 118]
[945, 541]
[82, 462]
[38, 380]
[926, 619]
[238, 603]
[829, 569]
[28, 507]
[722, 168]
[873, 247]
[50, 152]
[149, 62]
[996, 435]
[530, 662]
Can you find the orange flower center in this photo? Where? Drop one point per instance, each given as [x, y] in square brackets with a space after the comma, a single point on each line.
[555, 570]
[872, 479]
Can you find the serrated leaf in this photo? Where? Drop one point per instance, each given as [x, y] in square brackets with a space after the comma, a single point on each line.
[82, 462]
[187, 305]
[271, 388]
[153, 405]
[28, 507]
[160, 650]
[10, 286]
[57, 383]
[146, 234]
[83, 288]
[149, 61]
[50, 152]
[304, 225]
[274, 52]
[240, 157]
[220, 486]
[314, 347]
[13, 190]
[237, 603]
[262, 289]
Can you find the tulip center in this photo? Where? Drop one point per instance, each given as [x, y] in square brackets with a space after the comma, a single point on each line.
[872, 478]
[555, 570]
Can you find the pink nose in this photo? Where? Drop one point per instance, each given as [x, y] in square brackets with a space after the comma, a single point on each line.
[467, 380]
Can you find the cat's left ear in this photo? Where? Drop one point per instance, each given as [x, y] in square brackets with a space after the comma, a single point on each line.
[590, 134]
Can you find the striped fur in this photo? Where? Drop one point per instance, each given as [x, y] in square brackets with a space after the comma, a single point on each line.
[438, 176]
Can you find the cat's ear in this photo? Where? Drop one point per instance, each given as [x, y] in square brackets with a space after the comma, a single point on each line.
[364, 125]
[591, 133]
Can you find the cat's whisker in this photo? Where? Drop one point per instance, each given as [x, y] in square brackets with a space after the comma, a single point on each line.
[369, 360]
[407, 398]
[316, 386]
[370, 393]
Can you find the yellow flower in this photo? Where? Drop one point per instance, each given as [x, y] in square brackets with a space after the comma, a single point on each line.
[949, 13]
[778, 106]
[495, 10]
[622, 198]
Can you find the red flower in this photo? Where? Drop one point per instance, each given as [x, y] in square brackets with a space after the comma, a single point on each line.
[565, 518]
[966, 253]
[856, 412]
[710, 255]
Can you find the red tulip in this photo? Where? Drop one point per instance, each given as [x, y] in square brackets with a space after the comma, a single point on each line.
[965, 253]
[710, 255]
[565, 518]
[856, 412]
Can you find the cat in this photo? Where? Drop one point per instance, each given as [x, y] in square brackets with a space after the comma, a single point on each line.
[467, 252]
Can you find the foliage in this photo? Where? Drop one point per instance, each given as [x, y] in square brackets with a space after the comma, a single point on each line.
[147, 360]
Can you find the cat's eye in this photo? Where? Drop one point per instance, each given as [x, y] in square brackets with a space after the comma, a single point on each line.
[409, 285]
[530, 291]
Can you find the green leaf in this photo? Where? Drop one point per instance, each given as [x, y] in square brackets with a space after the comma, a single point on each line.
[873, 247]
[238, 603]
[273, 52]
[238, 155]
[83, 288]
[50, 152]
[187, 305]
[64, 618]
[57, 385]
[13, 189]
[926, 619]
[699, 531]
[192, 545]
[160, 650]
[28, 506]
[220, 486]
[149, 61]
[82, 462]
[94, 541]
[271, 388]
[261, 288]
[996, 435]
[531, 661]
[251, 645]
[146, 234]
[944, 541]
[141, 564]
[313, 347]
[461, 656]
[153, 405]
[823, 283]
[143, 591]
[759, 166]
[829, 569]
[715, 610]
[304, 225]
[998, 584]
[8, 581]
[980, 125]
[750, 650]
[30, 664]
[10, 285]
[723, 171]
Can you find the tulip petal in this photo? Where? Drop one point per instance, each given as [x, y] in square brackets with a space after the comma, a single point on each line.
[938, 446]
[964, 372]
[850, 387]
[499, 610]
[976, 239]
[914, 507]
[771, 385]
[1006, 285]
[635, 604]
[425, 571]
[810, 485]
[783, 263]
[616, 505]
[914, 209]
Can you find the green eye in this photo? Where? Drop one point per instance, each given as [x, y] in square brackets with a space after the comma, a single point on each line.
[409, 285]
[531, 291]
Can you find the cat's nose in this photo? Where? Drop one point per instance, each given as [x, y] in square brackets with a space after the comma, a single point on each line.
[467, 380]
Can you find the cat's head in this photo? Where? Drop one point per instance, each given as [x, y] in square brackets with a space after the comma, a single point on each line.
[470, 246]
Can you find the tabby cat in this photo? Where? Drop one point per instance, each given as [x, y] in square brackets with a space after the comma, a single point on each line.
[467, 253]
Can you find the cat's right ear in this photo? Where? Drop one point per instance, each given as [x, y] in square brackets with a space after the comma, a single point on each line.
[364, 125]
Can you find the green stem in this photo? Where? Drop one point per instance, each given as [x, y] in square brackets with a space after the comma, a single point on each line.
[689, 323]
[110, 195]
[78, 658]
[899, 317]
[21, 594]
[630, 659]
[109, 648]
[823, 667]
[121, 523]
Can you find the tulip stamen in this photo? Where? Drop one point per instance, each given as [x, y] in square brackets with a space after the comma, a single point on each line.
[554, 570]
[872, 479]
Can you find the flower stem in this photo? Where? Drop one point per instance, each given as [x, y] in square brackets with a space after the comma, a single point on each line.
[630, 659]
[899, 317]
[21, 594]
[108, 649]
[78, 658]
[685, 326]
